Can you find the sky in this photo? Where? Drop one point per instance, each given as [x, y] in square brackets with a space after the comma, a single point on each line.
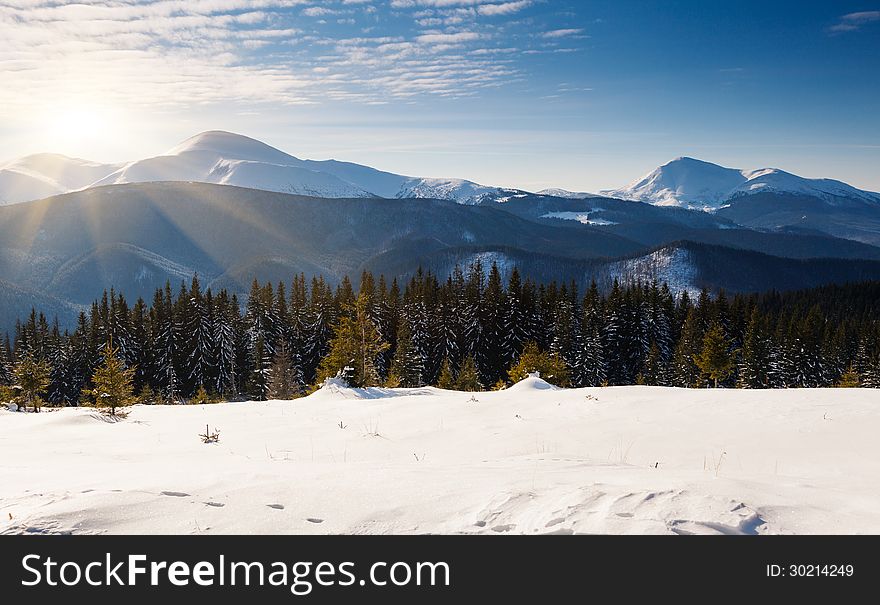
[582, 95]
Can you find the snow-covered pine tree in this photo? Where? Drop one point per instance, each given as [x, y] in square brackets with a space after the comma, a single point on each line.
[5, 361]
[615, 336]
[685, 372]
[225, 345]
[166, 336]
[285, 379]
[470, 308]
[755, 357]
[262, 369]
[408, 365]
[490, 359]
[515, 323]
[141, 347]
[590, 368]
[199, 328]
[57, 391]
[564, 327]
[320, 317]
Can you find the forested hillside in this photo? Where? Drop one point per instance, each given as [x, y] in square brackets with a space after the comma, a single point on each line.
[187, 341]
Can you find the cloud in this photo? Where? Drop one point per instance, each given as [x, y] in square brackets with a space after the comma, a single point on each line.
[561, 33]
[504, 8]
[854, 21]
[190, 53]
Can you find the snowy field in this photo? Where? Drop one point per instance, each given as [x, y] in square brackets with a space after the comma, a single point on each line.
[531, 459]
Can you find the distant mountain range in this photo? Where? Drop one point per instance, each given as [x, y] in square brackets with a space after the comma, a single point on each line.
[689, 183]
[223, 158]
[233, 209]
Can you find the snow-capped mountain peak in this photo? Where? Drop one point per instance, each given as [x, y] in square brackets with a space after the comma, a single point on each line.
[226, 158]
[232, 146]
[44, 174]
[692, 183]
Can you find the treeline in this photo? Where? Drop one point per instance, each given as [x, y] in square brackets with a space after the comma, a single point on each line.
[471, 326]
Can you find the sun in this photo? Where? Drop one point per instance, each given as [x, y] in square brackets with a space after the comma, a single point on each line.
[69, 124]
[76, 129]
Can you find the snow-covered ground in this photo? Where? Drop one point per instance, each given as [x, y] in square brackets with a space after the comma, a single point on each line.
[531, 459]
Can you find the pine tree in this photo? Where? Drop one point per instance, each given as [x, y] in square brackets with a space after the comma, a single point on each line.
[354, 349]
[684, 370]
[468, 378]
[224, 343]
[755, 360]
[261, 364]
[850, 379]
[5, 363]
[113, 382]
[408, 365]
[655, 371]
[285, 380]
[33, 376]
[446, 379]
[550, 366]
[715, 361]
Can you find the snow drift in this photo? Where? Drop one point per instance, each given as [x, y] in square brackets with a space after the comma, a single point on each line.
[529, 459]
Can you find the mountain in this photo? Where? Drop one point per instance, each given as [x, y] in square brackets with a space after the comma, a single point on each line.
[135, 237]
[765, 199]
[41, 175]
[564, 193]
[62, 251]
[653, 226]
[224, 158]
[690, 183]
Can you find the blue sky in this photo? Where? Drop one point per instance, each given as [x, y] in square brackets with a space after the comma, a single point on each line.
[528, 93]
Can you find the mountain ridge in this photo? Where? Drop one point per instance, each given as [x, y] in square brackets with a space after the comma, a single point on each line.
[697, 184]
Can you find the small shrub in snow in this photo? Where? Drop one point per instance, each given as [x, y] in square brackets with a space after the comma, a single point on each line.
[209, 437]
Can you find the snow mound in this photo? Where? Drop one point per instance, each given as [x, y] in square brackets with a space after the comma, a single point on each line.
[337, 388]
[532, 383]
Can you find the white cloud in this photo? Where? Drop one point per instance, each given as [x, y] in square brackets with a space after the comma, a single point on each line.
[854, 21]
[561, 33]
[185, 53]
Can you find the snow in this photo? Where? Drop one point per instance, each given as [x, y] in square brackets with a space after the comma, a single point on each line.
[226, 158]
[43, 175]
[564, 193]
[459, 190]
[504, 262]
[529, 459]
[671, 265]
[581, 217]
[690, 183]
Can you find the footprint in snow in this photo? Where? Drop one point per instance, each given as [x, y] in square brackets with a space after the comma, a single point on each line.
[314, 520]
[504, 528]
[276, 506]
[215, 504]
[175, 494]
